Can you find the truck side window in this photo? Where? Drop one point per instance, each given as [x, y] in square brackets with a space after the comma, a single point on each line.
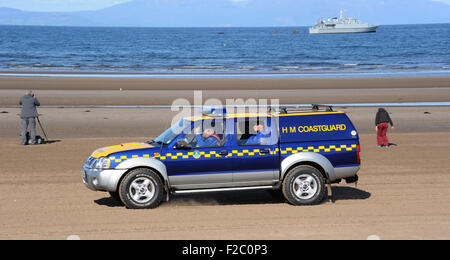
[206, 133]
[252, 131]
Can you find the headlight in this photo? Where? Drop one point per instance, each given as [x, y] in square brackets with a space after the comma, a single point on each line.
[103, 163]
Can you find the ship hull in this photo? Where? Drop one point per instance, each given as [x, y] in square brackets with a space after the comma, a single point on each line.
[371, 29]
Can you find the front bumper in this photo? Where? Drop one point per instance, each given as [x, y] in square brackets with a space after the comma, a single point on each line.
[101, 180]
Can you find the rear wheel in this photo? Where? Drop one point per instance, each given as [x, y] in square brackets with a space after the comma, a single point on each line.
[304, 185]
[141, 189]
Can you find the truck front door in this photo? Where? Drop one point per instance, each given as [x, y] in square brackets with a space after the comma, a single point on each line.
[205, 163]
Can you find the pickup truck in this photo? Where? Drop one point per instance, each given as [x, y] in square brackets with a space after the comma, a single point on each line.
[296, 152]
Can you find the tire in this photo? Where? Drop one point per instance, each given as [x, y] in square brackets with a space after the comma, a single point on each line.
[141, 189]
[115, 196]
[304, 185]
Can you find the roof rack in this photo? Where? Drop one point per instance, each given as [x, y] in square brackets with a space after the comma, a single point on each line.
[304, 109]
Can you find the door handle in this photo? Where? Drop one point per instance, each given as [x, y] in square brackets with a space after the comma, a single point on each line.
[267, 150]
[223, 152]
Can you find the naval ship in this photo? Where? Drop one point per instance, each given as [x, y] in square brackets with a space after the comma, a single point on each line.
[342, 25]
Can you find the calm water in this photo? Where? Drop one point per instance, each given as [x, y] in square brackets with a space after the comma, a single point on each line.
[393, 49]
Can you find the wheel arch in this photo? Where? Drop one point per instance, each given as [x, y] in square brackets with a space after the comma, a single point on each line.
[315, 160]
[312, 164]
[144, 163]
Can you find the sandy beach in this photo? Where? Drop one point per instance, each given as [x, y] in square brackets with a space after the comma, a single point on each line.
[402, 193]
[138, 91]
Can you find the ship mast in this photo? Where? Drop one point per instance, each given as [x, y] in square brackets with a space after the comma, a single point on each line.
[342, 14]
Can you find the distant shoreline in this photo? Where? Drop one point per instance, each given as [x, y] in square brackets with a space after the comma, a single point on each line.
[304, 26]
[212, 75]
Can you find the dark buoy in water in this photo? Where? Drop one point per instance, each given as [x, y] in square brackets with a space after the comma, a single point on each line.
[274, 31]
[296, 31]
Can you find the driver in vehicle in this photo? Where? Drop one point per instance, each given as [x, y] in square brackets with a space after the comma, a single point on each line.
[257, 138]
[208, 138]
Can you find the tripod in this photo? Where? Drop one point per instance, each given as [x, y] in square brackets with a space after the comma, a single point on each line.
[43, 131]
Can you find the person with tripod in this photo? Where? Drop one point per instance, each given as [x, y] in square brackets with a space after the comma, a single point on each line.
[29, 102]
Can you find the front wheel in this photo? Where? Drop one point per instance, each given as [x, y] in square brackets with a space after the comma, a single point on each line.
[304, 185]
[115, 196]
[141, 189]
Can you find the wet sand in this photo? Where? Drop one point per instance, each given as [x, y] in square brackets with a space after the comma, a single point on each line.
[55, 83]
[402, 193]
[104, 91]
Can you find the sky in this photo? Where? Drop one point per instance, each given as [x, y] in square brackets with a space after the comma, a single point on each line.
[59, 5]
[218, 13]
[444, 1]
[78, 5]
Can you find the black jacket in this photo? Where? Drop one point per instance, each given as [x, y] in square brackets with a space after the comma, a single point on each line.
[383, 117]
[29, 104]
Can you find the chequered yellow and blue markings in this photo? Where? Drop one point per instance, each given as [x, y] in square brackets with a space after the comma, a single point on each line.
[196, 154]
[191, 155]
[319, 149]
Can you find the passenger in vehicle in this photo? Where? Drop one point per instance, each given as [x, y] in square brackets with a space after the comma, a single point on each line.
[259, 137]
[208, 138]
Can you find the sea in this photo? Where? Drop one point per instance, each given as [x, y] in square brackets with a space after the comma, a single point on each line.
[392, 50]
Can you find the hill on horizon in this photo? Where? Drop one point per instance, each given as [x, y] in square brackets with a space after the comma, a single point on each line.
[243, 13]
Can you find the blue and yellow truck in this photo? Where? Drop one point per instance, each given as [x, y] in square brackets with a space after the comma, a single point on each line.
[296, 152]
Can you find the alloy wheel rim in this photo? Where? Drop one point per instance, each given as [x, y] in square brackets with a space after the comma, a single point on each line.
[142, 190]
[305, 186]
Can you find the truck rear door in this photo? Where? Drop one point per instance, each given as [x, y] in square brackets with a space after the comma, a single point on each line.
[254, 151]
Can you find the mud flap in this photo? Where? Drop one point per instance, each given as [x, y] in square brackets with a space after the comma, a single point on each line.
[330, 193]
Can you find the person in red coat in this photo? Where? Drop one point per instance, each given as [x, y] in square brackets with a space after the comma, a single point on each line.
[382, 121]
